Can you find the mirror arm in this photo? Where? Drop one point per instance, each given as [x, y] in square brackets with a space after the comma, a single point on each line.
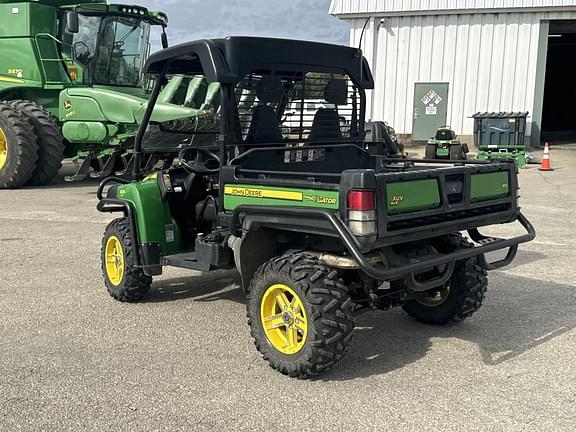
[164, 38]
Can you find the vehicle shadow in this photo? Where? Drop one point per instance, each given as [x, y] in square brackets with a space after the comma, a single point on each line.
[203, 287]
[518, 315]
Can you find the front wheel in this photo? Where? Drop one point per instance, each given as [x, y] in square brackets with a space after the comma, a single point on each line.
[299, 314]
[49, 141]
[124, 280]
[18, 148]
[457, 152]
[459, 298]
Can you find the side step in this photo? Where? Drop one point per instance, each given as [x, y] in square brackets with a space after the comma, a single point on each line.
[212, 253]
[187, 260]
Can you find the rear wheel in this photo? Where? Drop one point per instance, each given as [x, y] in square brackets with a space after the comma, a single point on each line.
[299, 313]
[456, 152]
[430, 151]
[460, 297]
[49, 139]
[18, 149]
[124, 280]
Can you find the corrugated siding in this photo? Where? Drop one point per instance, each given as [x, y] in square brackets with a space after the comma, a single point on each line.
[489, 61]
[342, 7]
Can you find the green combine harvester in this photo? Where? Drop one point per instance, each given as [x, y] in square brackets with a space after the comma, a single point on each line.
[71, 87]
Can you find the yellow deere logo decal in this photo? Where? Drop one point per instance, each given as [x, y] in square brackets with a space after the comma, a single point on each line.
[262, 193]
[396, 199]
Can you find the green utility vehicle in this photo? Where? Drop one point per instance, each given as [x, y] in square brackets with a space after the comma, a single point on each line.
[71, 86]
[317, 227]
[446, 145]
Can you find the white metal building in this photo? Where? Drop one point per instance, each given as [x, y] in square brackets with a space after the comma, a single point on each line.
[492, 53]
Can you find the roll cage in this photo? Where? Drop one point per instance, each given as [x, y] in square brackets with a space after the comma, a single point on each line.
[234, 60]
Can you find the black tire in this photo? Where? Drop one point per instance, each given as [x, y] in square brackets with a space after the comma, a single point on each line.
[463, 294]
[48, 138]
[133, 284]
[22, 151]
[456, 152]
[327, 306]
[430, 152]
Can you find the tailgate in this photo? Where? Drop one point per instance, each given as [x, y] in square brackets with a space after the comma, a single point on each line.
[423, 203]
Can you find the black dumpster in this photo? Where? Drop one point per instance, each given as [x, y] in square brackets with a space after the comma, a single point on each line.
[500, 131]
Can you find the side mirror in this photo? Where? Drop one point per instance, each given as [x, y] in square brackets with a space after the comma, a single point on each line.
[164, 38]
[72, 24]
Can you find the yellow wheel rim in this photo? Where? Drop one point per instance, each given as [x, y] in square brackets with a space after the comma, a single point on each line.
[284, 319]
[114, 256]
[3, 149]
[436, 298]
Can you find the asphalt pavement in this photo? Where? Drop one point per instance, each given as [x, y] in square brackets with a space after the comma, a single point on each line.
[73, 359]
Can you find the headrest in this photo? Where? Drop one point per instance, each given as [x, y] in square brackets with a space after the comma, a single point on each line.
[270, 89]
[336, 92]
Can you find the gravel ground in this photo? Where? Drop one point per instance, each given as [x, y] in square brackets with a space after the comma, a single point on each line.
[73, 359]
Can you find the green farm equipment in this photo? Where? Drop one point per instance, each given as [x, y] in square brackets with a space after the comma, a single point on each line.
[317, 227]
[71, 86]
[501, 136]
[445, 145]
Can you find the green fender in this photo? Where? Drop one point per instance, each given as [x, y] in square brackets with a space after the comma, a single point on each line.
[154, 222]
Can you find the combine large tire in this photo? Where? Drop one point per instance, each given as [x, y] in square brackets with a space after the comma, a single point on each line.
[124, 280]
[299, 314]
[18, 149]
[460, 297]
[49, 139]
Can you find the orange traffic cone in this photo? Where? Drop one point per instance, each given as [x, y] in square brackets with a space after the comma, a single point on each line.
[545, 165]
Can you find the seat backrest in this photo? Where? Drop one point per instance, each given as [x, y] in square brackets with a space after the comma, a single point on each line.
[326, 126]
[445, 135]
[264, 127]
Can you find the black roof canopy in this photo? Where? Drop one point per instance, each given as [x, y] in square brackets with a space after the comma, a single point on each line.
[229, 60]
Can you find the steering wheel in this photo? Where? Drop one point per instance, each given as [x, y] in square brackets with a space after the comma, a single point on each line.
[199, 165]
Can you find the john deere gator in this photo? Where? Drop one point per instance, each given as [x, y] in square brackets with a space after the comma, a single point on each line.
[318, 228]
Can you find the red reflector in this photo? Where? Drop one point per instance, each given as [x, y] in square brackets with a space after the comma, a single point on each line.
[361, 200]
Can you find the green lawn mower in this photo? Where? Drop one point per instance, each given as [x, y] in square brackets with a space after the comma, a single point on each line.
[318, 228]
[446, 145]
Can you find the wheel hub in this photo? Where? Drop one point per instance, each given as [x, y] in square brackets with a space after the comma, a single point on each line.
[287, 318]
[3, 148]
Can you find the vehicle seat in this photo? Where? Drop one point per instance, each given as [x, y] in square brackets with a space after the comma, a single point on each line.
[445, 135]
[326, 126]
[264, 127]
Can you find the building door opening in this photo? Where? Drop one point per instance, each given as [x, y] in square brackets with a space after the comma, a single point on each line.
[559, 108]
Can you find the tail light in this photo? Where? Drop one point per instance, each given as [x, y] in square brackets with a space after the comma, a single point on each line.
[362, 212]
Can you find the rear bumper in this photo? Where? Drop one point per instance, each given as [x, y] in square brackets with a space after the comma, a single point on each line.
[259, 216]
